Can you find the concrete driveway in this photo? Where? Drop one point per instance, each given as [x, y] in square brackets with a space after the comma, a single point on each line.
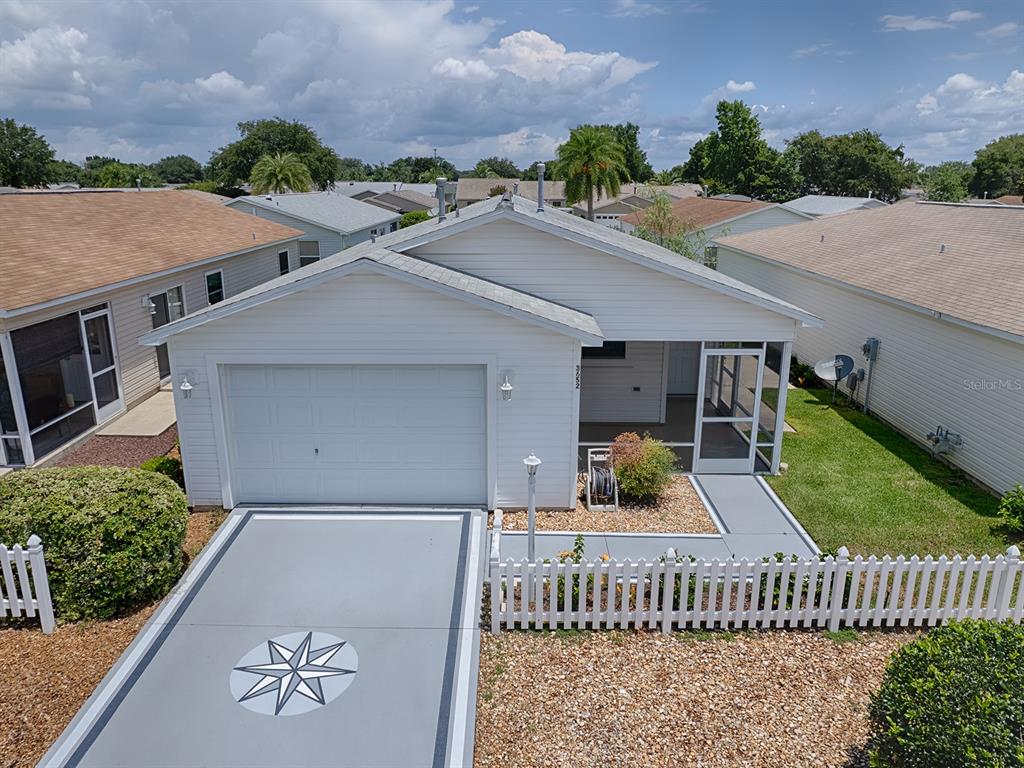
[302, 637]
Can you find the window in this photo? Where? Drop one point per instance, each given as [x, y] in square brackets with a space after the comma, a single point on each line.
[610, 350]
[282, 262]
[165, 308]
[215, 286]
[394, 226]
[309, 252]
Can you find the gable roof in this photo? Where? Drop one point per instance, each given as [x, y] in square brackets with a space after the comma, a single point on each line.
[645, 192]
[330, 210]
[1010, 199]
[54, 246]
[700, 212]
[406, 196]
[557, 221]
[353, 188]
[958, 261]
[462, 285]
[824, 205]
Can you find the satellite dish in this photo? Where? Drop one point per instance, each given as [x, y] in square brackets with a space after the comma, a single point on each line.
[834, 368]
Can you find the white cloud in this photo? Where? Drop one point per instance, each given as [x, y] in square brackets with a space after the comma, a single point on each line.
[810, 50]
[636, 9]
[891, 23]
[1006, 29]
[473, 70]
[745, 87]
[961, 16]
[221, 90]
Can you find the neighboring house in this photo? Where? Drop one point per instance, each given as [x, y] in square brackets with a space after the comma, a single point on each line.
[84, 275]
[826, 205]
[1010, 200]
[404, 201]
[941, 286]
[331, 222]
[363, 189]
[424, 367]
[608, 210]
[474, 190]
[717, 218]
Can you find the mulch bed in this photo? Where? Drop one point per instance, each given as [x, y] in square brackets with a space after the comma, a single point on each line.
[679, 510]
[47, 678]
[696, 699]
[119, 450]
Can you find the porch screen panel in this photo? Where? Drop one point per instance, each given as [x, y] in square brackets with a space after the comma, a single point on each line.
[52, 369]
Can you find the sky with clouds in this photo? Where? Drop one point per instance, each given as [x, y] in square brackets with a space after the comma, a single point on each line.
[380, 79]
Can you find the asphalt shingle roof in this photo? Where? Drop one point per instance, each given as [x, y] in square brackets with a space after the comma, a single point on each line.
[328, 209]
[965, 261]
[700, 212]
[57, 245]
[824, 205]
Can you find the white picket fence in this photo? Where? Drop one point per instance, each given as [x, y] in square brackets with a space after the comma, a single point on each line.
[825, 593]
[24, 588]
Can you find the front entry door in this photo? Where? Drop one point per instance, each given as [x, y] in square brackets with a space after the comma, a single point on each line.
[102, 360]
[727, 412]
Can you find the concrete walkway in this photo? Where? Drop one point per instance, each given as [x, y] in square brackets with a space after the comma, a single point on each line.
[149, 418]
[752, 523]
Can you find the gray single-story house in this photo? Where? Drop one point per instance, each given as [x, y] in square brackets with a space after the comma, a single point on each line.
[84, 275]
[940, 287]
[423, 367]
[330, 221]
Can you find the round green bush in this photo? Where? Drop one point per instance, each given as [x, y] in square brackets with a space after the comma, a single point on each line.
[165, 465]
[112, 537]
[1011, 508]
[643, 466]
[955, 697]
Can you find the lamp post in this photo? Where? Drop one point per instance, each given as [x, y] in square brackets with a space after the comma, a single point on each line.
[531, 462]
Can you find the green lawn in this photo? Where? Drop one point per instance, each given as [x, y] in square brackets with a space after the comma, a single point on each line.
[854, 481]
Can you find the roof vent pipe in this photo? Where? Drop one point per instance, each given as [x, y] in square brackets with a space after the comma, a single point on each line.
[871, 194]
[441, 180]
[942, 248]
[540, 187]
[138, 184]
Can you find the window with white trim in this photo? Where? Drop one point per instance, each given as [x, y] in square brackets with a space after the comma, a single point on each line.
[309, 252]
[215, 286]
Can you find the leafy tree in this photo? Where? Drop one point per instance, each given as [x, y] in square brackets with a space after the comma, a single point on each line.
[687, 239]
[736, 159]
[413, 170]
[58, 171]
[999, 168]
[90, 175]
[496, 168]
[125, 174]
[178, 169]
[948, 182]
[637, 167]
[592, 162]
[412, 217]
[354, 169]
[856, 164]
[233, 164]
[95, 162]
[666, 178]
[24, 155]
[550, 171]
[660, 220]
[215, 188]
[283, 172]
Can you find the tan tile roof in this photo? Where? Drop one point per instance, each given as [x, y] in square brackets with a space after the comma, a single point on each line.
[897, 251]
[700, 212]
[53, 246]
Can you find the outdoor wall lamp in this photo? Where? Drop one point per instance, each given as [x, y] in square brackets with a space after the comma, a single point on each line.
[506, 389]
[186, 388]
[148, 305]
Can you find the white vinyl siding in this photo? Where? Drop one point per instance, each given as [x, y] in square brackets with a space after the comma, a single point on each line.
[925, 369]
[629, 301]
[331, 241]
[139, 375]
[609, 389]
[363, 319]
[766, 218]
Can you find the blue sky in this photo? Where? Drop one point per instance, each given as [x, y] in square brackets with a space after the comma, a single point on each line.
[381, 79]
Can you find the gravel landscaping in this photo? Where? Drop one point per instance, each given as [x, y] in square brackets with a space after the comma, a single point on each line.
[119, 450]
[698, 699]
[679, 510]
[49, 677]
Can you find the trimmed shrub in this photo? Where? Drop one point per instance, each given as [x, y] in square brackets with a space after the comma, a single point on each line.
[112, 536]
[165, 465]
[1011, 508]
[643, 466]
[412, 217]
[953, 697]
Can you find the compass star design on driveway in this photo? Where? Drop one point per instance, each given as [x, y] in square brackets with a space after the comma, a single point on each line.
[304, 671]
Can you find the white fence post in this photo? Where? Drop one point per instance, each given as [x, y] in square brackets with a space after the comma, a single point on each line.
[1006, 578]
[40, 584]
[836, 602]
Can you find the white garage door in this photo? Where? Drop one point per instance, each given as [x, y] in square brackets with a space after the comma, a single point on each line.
[389, 434]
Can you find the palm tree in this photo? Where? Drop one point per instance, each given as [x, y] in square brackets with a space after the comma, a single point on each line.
[591, 162]
[275, 174]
